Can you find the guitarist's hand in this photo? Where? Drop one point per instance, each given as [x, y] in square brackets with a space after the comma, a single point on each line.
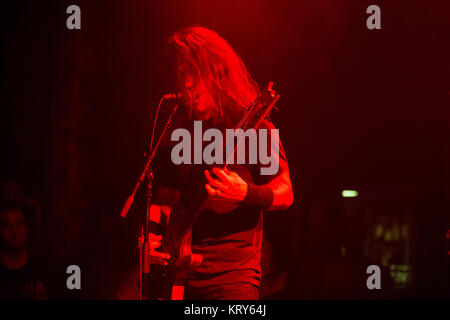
[157, 257]
[226, 185]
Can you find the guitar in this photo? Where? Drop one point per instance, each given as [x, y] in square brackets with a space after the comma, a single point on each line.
[167, 282]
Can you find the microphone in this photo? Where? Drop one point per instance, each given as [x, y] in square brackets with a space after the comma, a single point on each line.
[172, 96]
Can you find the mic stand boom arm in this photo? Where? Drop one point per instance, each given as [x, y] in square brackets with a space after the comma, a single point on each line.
[126, 207]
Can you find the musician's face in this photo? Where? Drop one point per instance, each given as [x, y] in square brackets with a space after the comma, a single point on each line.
[199, 102]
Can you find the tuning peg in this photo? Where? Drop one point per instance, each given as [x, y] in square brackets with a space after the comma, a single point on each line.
[272, 93]
[270, 85]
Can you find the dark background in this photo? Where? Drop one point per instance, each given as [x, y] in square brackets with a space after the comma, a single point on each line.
[359, 108]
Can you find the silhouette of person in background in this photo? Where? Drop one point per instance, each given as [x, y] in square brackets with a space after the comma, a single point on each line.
[12, 191]
[21, 276]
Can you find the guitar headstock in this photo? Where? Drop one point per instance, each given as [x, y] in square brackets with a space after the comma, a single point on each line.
[267, 96]
[262, 106]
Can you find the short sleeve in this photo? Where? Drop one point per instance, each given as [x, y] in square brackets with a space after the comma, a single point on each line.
[278, 161]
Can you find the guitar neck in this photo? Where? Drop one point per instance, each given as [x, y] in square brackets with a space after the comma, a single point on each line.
[245, 124]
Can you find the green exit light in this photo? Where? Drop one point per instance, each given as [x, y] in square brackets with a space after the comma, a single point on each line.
[349, 193]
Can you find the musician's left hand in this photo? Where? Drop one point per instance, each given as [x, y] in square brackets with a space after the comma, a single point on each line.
[226, 185]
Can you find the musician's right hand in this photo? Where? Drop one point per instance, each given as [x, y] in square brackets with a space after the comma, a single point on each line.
[157, 257]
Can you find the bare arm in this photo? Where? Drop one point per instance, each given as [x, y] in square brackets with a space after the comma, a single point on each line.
[229, 185]
[163, 200]
[281, 187]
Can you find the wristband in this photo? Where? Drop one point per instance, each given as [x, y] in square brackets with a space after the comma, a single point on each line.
[260, 197]
[155, 228]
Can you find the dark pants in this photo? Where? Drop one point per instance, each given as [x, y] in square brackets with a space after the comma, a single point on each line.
[234, 291]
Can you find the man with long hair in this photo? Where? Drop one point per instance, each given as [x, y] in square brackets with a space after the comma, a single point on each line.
[216, 89]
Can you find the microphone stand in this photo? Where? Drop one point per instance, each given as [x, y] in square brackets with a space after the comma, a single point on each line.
[144, 244]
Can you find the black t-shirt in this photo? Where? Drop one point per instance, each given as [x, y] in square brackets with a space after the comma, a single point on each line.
[230, 243]
[25, 283]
